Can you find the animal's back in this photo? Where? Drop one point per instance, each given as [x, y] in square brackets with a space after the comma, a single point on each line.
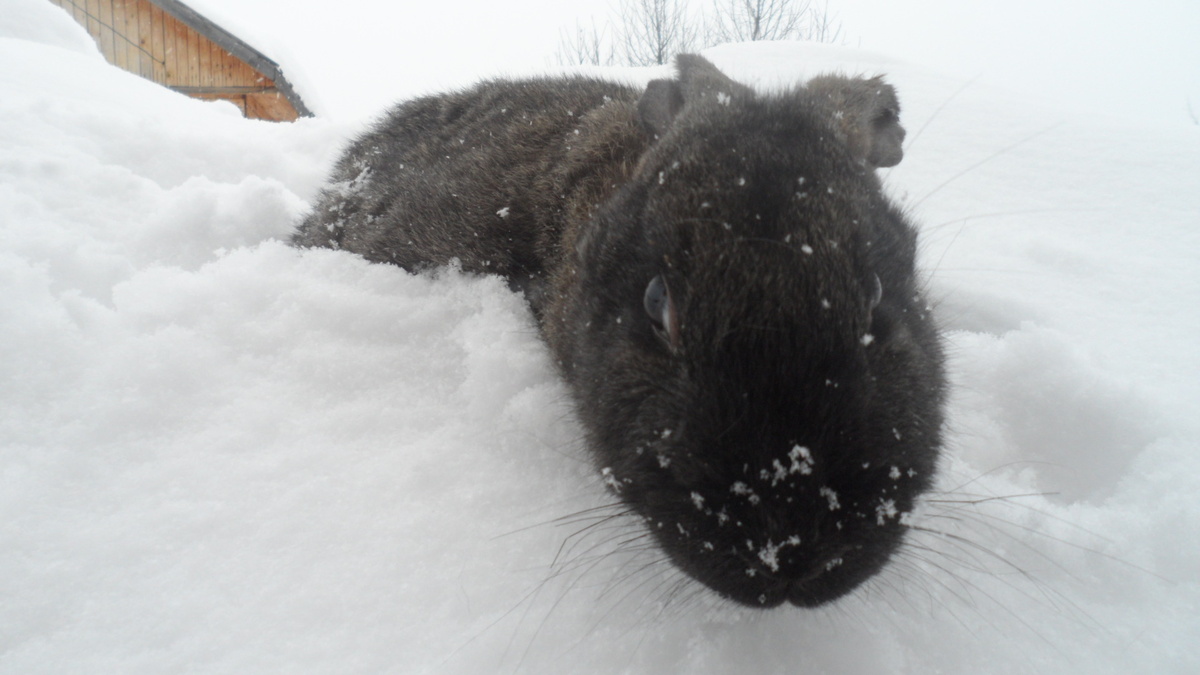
[480, 176]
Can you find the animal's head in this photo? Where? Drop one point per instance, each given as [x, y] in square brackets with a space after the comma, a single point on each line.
[756, 370]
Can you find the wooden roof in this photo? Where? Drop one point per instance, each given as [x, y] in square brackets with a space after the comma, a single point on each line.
[170, 43]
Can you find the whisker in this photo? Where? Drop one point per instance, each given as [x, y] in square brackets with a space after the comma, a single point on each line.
[937, 111]
[973, 588]
[570, 518]
[1006, 149]
[1065, 542]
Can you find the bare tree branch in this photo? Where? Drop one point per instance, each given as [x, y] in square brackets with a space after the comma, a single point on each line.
[750, 20]
[653, 31]
[821, 26]
[586, 46]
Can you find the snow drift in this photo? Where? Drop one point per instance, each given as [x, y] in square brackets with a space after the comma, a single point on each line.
[222, 454]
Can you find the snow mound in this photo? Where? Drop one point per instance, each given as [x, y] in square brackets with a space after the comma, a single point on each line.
[221, 454]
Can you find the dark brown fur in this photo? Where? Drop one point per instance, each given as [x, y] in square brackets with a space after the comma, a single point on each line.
[728, 294]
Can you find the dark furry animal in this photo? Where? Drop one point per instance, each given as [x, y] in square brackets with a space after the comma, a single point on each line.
[729, 295]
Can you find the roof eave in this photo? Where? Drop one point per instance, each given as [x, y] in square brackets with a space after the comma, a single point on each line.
[234, 45]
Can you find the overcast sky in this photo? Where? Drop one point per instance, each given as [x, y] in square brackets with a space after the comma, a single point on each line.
[1132, 59]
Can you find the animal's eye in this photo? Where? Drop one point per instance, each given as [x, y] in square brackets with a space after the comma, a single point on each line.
[879, 326]
[887, 116]
[661, 310]
[876, 291]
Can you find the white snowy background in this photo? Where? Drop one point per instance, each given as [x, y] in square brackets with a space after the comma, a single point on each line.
[219, 454]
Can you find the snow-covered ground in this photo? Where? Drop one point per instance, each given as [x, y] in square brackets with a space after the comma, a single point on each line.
[219, 454]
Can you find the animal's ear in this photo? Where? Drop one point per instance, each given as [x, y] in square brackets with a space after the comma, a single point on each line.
[658, 106]
[698, 79]
[867, 113]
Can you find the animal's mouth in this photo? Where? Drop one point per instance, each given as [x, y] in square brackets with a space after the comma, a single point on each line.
[808, 581]
[820, 586]
[806, 593]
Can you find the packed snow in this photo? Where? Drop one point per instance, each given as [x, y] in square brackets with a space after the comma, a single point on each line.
[220, 454]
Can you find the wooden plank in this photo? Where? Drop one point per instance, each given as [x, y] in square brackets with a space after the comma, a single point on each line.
[269, 106]
[108, 42]
[180, 52]
[227, 61]
[193, 56]
[178, 43]
[133, 32]
[116, 46]
[253, 77]
[204, 61]
[229, 64]
[234, 74]
[158, 49]
[125, 42]
[93, 22]
[237, 74]
[79, 10]
[145, 39]
[125, 22]
[214, 63]
[243, 75]
[168, 32]
[220, 91]
[220, 66]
